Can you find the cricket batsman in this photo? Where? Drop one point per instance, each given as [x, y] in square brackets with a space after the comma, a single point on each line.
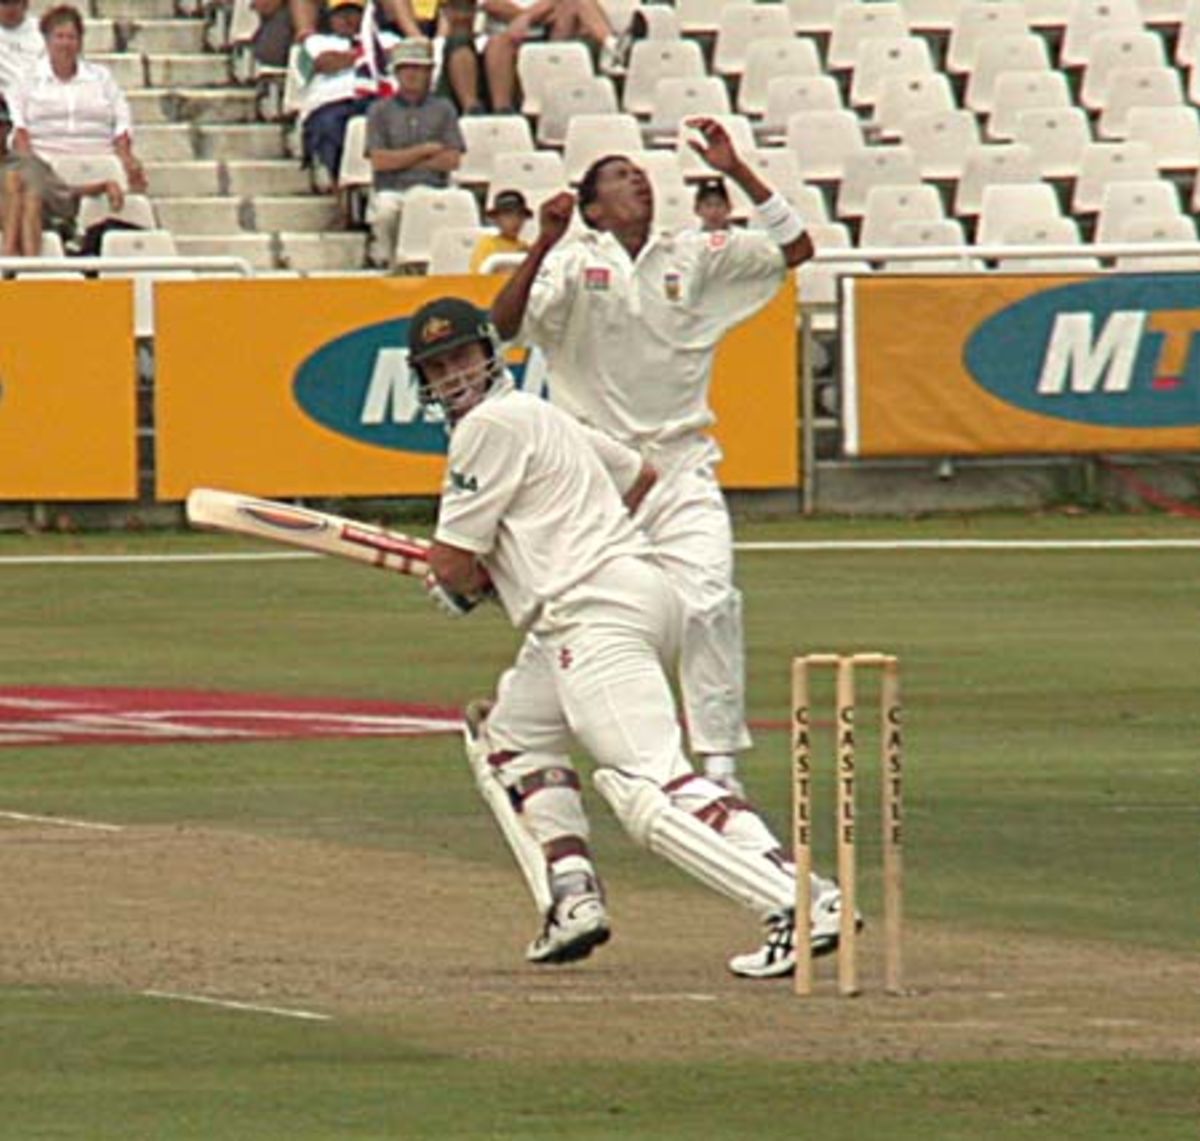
[535, 509]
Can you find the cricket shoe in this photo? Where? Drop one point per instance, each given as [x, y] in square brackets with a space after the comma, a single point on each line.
[776, 958]
[574, 926]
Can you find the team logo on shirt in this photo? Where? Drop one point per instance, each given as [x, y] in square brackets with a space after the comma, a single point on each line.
[718, 240]
[596, 278]
[673, 286]
[565, 658]
[461, 481]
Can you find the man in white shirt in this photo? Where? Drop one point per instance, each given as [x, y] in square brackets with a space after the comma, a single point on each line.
[629, 320]
[535, 509]
[21, 43]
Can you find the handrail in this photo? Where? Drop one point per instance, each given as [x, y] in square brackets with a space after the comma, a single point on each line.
[203, 263]
[993, 252]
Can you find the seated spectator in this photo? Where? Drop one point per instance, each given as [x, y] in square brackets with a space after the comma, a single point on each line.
[383, 22]
[508, 214]
[712, 206]
[33, 198]
[413, 141]
[330, 95]
[276, 31]
[67, 106]
[512, 22]
[21, 44]
[462, 77]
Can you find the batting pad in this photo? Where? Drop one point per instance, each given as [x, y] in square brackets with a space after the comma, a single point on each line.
[654, 822]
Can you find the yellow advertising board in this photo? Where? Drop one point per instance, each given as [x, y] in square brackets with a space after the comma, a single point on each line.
[1011, 365]
[301, 387]
[68, 385]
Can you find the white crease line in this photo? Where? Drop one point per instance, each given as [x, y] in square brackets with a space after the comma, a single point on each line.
[230, 1004]
[62, 821]
[972, 545]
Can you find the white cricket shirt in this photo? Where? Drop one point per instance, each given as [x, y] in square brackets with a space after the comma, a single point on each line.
[80, 115]
[20, 48]
[537, 497]
[629, 343]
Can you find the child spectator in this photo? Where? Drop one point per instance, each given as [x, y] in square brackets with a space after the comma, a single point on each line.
[508, 214]
[711, 205]
[21, 43]
[413, 141]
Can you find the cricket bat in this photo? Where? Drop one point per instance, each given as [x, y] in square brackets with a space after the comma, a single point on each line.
[311, 530]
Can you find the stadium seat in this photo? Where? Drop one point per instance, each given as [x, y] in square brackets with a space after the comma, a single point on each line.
[777, 167]
[1151, 230]
[1110, 50]
[1003, 53]
[528, 172]
[1130, 87]
[1089, 18]
[427, 213]
[662, 21]
[933, 16]
[1187, 39]
[589, 137]
[355, 174]
[693, 166]
[674, 206]
[1056, 136]
[699, 16]
[992, 164]
[1167, 14]
[78, 170]
[487, 136]
[1046, 232]
[652, 60]
[883, 57]
[1172, 133]
[136, 210]
[1004, 206]
[1102, 163]
[919, 235]
[1121, 202]
[874, 166]
[822, 141]
[940, 140]
[902, 96]
[563, 99]
[740, 25]
[138, 244]
[980, 20]
[853, 23]
[816, 281]
[769, 59]
[1017, 91]
[539, 63]
[788, 94]
[812, 17]
[451, 249]
[1051, 14]
[887, 205]
[676, 98]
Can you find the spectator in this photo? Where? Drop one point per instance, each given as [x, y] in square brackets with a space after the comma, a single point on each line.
[413, 141]
[272, 40]
[509, 213]
[21, 43]
[382, 23]
[329, 98]
[712, 205]
[68, 106]
[462, 77]
[513, 22]
[33, 197]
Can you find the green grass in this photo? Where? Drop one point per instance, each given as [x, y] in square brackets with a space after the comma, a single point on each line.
[1052, 724]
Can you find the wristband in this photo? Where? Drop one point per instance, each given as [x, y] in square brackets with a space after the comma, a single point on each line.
[780, 220]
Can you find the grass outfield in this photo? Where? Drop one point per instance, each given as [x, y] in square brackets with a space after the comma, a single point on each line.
[1052, 724]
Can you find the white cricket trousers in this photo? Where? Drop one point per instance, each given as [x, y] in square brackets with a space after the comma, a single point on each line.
[593, 667]
[687, 521]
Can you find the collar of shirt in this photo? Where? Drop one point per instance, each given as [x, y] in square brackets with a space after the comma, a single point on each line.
[83, 70]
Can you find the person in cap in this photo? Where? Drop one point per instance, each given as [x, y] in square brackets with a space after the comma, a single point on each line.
[508, 213]
[712, 206]
[329, 98]
[21, 44]
[537, 510]
[413, 142]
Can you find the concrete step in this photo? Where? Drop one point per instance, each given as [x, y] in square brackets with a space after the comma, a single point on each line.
[309, 213]
[127, 68]
[203, 216]
[257, 249]
[169, 37]
[150, 105]
[184, 179]
[134, 9]
[100, 37]
[196, 70]
[195, 105]
[165, 142]
[323, 252]
[241, 141]
[266, 176]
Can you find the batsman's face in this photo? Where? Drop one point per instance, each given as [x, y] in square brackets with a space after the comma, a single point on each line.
[459, 378]
[624, 196]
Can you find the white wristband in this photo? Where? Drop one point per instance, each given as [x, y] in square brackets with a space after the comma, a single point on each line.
[780, 220]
